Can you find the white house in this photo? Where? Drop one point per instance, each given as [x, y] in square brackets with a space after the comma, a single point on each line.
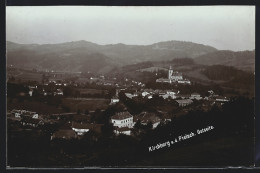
[222, 99]
[122, 119]
[114, 100]
[80, 128]
[150, 96]
[185, 81]
[35, 116]
[17, 115]
[129, 95]
[168, 94]
[144, 93]
[211, 92]
[31, 93]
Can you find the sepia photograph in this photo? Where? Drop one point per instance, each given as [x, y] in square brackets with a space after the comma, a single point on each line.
[130, 86]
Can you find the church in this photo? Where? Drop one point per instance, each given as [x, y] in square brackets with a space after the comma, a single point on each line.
[173, 77]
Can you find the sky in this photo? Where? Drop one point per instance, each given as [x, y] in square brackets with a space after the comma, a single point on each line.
[223, 27]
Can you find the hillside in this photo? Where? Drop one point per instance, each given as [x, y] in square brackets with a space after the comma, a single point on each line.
[244, 60]
[87, 56]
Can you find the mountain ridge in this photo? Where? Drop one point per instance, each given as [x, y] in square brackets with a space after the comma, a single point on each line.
[76, 55]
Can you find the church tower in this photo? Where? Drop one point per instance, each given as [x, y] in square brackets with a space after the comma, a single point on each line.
[170, 73]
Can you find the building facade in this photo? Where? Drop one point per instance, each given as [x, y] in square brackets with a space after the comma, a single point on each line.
[122, 119]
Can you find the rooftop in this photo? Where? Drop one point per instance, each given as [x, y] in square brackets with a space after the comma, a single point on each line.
[122, 115]
[122, 129]
[95, 127]
[184, 101]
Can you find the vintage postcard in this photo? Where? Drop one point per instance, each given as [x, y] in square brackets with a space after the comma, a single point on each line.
[130, 87]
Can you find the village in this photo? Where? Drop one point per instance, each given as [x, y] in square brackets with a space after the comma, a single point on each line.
[77, 124]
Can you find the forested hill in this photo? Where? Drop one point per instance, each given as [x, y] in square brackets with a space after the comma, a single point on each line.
[86, 56]
[244, 60]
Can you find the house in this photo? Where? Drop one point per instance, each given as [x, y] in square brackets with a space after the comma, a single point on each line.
[146, 117]
[64, 134]
[58, 92]
[185, 81]
[145, 93]
[168, 94]
[211, 92]
[184, 102]
[20, 113]
[114, 100]
[163, 80]
[17, 115]
[28, 121]
[129, 95]
[33, 115]
[30, 92]
[122, 130]
[195, 96]
[122, 119]
[82, 128]
[221, 99]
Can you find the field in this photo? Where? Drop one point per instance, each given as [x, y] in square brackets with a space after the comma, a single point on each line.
[90, 104]
[92, 91]
[27, 76]
[38, 107]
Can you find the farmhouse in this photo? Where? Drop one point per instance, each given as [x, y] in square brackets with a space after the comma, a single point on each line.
[122, 119]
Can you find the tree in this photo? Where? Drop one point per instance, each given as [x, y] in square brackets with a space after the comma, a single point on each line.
[107, 130]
